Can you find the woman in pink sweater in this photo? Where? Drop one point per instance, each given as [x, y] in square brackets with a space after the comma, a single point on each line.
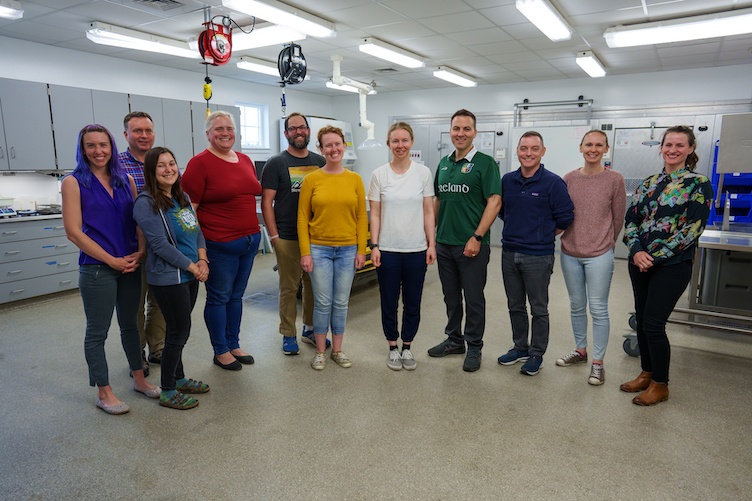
[587, 250]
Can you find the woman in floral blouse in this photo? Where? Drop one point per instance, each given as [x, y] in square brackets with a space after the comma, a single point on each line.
[661, 229]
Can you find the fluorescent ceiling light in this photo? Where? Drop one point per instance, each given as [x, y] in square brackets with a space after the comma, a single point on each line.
[285, 15]
[260, 66]
[453, 76]
[390, 53]
[723, 24]
[545, 18]
[264, 37]
[588, 62]
[108, 34]
[10, 9]
[347, 88]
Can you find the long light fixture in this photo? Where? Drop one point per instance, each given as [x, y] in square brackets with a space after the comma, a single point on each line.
[285, 15]
[116, 36]
[545, 18]
[390, 53]
[10, 9]
[347, 88]
[722, 24]
[454, 76]
[260, 66]
[588, 62]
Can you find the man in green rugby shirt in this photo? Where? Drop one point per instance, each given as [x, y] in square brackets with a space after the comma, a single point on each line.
[468, 198]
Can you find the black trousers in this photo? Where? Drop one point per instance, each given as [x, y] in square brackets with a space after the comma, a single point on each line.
[656, 293]
[176, 303]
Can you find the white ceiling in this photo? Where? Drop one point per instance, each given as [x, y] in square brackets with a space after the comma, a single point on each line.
[486, 39]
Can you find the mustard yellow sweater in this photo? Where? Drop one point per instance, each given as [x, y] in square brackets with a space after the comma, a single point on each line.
[332, 211]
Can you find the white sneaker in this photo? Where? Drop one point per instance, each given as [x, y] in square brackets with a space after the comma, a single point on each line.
[341, 359]
[408, 362]
[394, 360]
[597, 375]
[319, 361]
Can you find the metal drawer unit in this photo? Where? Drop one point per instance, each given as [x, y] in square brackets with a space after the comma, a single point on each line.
[36, 258]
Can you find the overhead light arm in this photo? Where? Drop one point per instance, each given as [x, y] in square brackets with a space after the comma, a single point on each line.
[363, 90]
[338, 79]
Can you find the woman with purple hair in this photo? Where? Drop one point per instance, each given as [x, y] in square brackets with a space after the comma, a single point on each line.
[98, 217]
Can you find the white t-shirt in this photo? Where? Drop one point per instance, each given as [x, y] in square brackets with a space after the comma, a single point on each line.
[401, 196]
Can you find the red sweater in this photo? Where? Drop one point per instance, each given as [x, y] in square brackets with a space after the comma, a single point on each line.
[226, 195]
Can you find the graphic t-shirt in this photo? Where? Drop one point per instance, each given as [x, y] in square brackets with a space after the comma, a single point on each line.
[185, 224]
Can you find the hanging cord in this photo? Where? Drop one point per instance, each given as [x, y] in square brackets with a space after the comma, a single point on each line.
[284, 102]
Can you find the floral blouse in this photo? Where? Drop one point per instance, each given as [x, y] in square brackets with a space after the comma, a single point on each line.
[668, 215]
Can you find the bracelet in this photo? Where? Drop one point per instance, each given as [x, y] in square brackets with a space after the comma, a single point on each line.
[273, 237]
[374, 246]
[202, 259]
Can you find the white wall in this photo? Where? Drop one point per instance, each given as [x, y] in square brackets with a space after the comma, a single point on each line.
[726, 83]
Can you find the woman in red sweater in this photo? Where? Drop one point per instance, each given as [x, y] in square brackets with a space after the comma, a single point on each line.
[223, 187]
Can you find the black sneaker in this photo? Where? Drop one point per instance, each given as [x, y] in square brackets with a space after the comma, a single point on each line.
[445, 348]
[472, 361]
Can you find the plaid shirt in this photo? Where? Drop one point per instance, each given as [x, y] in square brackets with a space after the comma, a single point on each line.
[133, 167]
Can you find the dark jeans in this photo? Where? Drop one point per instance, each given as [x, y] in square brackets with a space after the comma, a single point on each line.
[103, 290]
[526, 278]
[464, 275]
[656, 292]
[230, 267]
[405, 271]
[176, 303]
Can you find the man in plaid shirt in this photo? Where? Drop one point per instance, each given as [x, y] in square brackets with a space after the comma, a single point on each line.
[139, 132]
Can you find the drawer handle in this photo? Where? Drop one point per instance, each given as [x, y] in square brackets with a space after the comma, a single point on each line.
[65, 282]
[61, 246]
[64, 264]
[11, 253]
[9, 232]
[17, 291]
[14, 272]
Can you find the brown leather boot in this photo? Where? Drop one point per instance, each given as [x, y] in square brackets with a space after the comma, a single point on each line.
[656, 393]
[639, 383]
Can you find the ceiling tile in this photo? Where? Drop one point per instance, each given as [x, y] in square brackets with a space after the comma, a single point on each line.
[466, 21]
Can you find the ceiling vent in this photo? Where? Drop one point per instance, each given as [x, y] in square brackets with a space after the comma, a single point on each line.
[159, 4]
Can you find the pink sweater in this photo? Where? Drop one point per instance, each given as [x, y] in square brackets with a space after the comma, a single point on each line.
[600, 202]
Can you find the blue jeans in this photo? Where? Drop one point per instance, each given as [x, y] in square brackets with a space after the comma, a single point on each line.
[176, 303]
[405, 271]
[461, 275]
[229, 269]
[526, 277]
[103, 290]
[588, 280]
[331, 280]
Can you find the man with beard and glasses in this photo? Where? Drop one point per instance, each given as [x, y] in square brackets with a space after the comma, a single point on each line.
[280, 182]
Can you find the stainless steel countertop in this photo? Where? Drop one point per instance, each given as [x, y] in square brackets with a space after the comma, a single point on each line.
[29, 218]
[735, 240]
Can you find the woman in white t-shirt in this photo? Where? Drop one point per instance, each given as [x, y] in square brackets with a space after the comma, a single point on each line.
[403, 240]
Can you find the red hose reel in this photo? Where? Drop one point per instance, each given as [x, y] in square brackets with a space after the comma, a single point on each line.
[215, 44]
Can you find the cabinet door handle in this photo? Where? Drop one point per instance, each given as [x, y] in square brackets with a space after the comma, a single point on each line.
[65, 282]
[9, 232]
[11, 253]
[2, 155]
[17, 291]
[12, 152]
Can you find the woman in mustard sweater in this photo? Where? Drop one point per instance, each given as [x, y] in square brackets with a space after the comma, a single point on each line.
[332, 228]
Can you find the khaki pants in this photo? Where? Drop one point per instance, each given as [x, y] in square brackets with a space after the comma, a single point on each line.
[151, 323]
[288, 266]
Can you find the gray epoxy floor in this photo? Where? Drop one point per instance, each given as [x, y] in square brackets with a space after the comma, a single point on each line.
[279, 430]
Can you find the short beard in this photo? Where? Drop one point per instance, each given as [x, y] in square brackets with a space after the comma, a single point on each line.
[292, 143]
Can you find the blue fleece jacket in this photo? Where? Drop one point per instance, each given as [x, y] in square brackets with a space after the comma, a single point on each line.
[532, 210]
[164, 261]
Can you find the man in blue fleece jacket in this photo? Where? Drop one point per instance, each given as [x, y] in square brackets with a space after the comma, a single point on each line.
[535, 208]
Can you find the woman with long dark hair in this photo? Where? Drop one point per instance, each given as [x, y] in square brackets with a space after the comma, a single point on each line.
[175, 264]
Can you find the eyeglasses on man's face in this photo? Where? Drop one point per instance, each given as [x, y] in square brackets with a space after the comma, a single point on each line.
[292, 129]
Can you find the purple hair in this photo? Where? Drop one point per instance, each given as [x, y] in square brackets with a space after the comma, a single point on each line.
[82, 171]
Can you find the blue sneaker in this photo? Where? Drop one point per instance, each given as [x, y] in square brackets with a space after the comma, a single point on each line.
[513, 356]
[290, 345]
[307, 337]
[532, 366]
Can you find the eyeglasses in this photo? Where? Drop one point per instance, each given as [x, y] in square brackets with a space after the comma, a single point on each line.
[301, 128]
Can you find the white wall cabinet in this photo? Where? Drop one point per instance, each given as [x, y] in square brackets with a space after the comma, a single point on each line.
[109, 110]
[72, 109]
[27, 133]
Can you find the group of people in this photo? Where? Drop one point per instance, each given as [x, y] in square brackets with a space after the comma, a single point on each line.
[135, 210]
[124, 210]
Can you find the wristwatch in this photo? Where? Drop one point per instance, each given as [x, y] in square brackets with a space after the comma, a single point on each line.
[373, 246]
[477, 237]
